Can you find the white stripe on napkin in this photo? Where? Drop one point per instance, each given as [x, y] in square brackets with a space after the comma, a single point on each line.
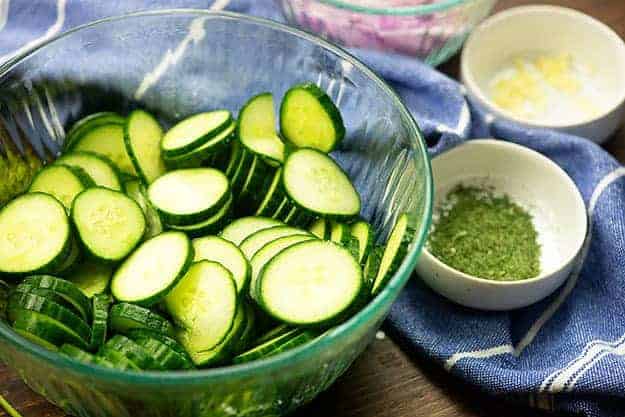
[52, 30]
[195, 34]
[555, 305]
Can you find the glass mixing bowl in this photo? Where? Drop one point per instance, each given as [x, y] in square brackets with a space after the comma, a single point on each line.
[431, 30]
[176, 63]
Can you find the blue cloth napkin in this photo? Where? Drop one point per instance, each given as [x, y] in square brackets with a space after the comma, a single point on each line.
[564, 353]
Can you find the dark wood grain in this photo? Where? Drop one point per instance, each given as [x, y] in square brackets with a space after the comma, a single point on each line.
[385, 381]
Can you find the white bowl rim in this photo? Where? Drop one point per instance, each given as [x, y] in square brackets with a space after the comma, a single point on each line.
[473, 87]
[544, 274]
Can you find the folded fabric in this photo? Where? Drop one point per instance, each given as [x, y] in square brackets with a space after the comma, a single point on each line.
[564, 353]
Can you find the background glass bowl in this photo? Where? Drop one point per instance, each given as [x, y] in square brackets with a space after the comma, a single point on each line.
[176, 63]
[431, 30]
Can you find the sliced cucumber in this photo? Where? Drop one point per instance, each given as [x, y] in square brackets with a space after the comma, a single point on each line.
[166, 356]
[206, 153]
[77, 353]
[125, 317]
[219, 353]
[317, 184]
[309, 118]
[257, 128]
[272, 334]
[106, 140]
[303, 337]
[267, 252]
[91, 277]
[204, 305]
[194, 132]
[256, 241]
[396, 249]
[64, 289]
[45, 331]
[265, 348]
[90, 122]
[250, 198]
[19, 302]
[136, 191]
[62, 182]
[340, 233]
[321, 228]
[142, 136]
[100, 170]
[282, 209]
[71, 261]
[273, 197]
[4, 299]
[153, 269]
[363, 232]
[218, 249]
[237, 231]
[313, 283]
[110, 224]
[23, 289]
[99, 324]
[133, 352]
[236, 152]
[189, 196]
[119, 360]
[211, 225]
[169, 341]
[248, 333]
[240, 174]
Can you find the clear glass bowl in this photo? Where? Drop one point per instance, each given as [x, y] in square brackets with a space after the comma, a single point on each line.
[431, 30]
[175, 63]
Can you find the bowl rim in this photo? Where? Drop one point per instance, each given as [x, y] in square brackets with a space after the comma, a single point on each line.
[544, 275]
[469, 81]
[438, 6]
[299, 354]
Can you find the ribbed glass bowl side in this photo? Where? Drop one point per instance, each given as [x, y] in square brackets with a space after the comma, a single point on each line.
[175, 63]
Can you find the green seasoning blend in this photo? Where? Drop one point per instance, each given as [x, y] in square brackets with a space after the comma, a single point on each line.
[485, 235]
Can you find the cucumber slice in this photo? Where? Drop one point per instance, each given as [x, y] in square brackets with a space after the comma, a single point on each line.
[248, 333]
[372, 265]
[313, 283]
[20, 302]
[62, 182]
[166, 340]
[321, 228]
[109, 224]
[240, 174]
[99, 325]
[206, 153]
[272, 334]
[23, 289]
[256, 241]
[64, 289]
[218, 249]
[194, 132]
[125, 318]
[309, 118]
[189, 196]
[267, 252]
[101, 170]
[142, 136]
[45, 330]
[317, 184]
[340, 233]
[237, 231]
[91, 277]
[77, 353]
[283, 208]
[106, 140]
[204, 304]
[363, 232]
[166, 356]
[153, 269]
[119, 360]
[291, 215]
[136, 191]
[396, 249]
[102, 361]
[265, 348]
[90, 122]
[4, 299]
[210, 225]
[250, 198]
[236, 152]
[71, 260]
[219, 353]
[303, 337]
[133, 352]
[257, 128]
[273, 197]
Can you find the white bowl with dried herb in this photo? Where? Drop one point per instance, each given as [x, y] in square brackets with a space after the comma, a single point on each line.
[508, 226]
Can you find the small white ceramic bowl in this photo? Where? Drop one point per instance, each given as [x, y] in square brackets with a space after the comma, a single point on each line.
[549, 29]
[536, 184]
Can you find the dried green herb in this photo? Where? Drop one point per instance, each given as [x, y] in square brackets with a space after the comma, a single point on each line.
[485, 235]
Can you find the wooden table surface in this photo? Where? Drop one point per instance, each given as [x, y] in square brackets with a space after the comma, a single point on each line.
[384, 381]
